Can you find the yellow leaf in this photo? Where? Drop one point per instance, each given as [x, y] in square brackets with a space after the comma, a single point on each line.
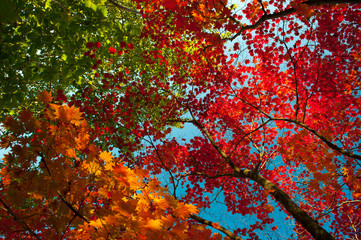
[65, 114]
[161, 203]
[106, 156]
[92, 167]
[70, 152]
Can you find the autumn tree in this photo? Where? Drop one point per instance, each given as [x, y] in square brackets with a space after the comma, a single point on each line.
[56, 184]
[278, 112]
[272, 88]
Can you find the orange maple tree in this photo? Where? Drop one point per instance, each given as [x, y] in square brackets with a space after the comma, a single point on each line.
[57, 184]
[272, 88]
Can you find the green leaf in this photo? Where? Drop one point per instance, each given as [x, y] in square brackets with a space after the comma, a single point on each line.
[48, 4]
[64, 57]
[91, 5]
[103, 11]
[79, 80]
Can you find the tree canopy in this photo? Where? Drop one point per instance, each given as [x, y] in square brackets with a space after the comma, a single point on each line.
[269, 88]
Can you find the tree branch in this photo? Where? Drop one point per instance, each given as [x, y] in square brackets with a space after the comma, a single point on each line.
[16, 218]
[289, 11]
[120, 7]
[206, 175]
[323, 138]
[43, 160]
[220, 228]
[312, 226]
[166, 168]
[337, 207]
[76, 212]
[301, 124]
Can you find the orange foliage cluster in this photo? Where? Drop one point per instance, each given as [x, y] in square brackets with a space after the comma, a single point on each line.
[58, 184]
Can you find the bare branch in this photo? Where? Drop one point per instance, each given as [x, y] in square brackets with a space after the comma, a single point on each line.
[263, 8]
[43, 160]
[338, 206]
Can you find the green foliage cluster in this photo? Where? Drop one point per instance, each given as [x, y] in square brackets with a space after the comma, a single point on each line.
[42, 44]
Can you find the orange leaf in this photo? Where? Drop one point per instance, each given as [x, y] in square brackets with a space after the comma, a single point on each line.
[106, 156]
[216, 225]
[184, 210]
[269, 208]
[154, 224]
[304, 9]
[45, 97]
[66, 114]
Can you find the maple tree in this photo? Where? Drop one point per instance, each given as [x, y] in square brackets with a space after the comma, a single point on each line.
[271, 86]
[57, 184]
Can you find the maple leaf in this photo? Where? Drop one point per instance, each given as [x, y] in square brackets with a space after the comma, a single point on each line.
[170, 4]
[197, 16]
[93, 167]
[183, 210]
[298, 100]
[112, 50]
[66, 114]
[45, 97]
[70, 152]
[154, 224]
[97, 223]
[107, 157]
[269, 208]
